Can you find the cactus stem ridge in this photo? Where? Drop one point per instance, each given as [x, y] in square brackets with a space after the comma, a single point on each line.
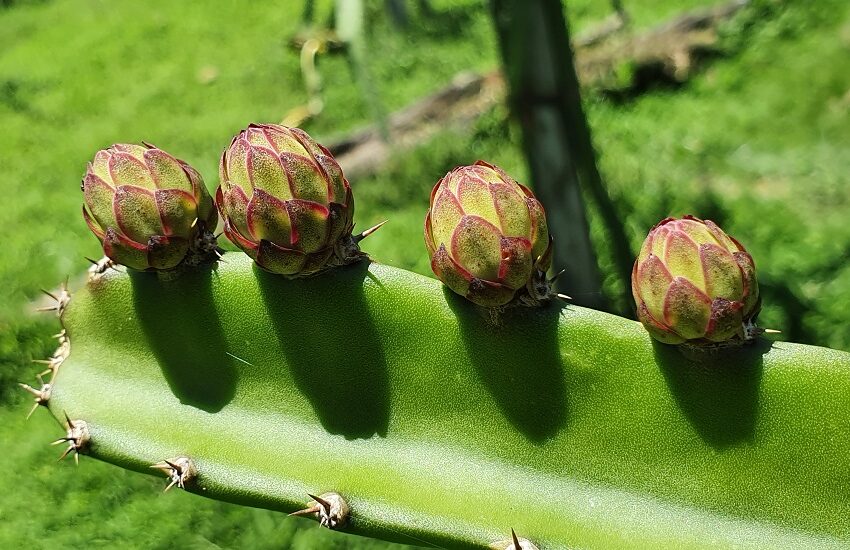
[331, 510]
[77, 437]
[180, 470]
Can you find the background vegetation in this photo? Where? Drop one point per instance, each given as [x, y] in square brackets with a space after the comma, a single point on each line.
[759, 142]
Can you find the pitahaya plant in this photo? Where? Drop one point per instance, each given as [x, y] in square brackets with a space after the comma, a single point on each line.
[364, 397]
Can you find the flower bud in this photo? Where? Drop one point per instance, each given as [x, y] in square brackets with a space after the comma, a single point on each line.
[149, 209]
[285, 201]
[694, 283]
[487, 237]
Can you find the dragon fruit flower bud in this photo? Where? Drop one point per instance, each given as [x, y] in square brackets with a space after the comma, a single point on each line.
[694, 283]
[487, 237]
[285, 201]
[149, 209]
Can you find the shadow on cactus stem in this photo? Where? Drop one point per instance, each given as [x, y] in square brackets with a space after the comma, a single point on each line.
[718, 391]
[532, 395]
[183, 331]
[337, 359]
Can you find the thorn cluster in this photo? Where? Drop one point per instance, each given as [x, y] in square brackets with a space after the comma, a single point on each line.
[101, 266]
[541, 290]
[55, 361]
[349, 247]
[330, 509]
[77, 437]
[180, 470]
[41, 395]
[360, 236]
[751, 331]
[60, 299]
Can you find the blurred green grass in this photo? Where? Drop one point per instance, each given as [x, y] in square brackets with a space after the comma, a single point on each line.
[759, 141]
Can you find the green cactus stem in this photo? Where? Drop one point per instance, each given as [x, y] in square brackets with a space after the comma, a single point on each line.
[439, 425]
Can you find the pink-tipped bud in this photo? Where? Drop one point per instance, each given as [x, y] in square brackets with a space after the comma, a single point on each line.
[487, 236]
[694, 283]
[149, 209]
[285, 201]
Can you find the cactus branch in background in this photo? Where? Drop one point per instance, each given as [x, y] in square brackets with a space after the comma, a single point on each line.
[349, 24]
[544, 96]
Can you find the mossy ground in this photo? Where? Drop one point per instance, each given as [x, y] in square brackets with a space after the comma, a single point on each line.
[759, 141]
